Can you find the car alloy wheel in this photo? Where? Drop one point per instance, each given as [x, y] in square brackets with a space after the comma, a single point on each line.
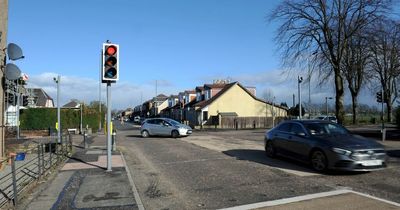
[270, 150]
[145, 134]
[174, 134]
[319, 161]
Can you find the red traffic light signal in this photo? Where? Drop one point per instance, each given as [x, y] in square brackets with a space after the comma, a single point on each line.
[110, 63]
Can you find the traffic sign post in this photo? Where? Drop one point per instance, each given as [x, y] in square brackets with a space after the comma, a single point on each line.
[109, 74]
[381, 98]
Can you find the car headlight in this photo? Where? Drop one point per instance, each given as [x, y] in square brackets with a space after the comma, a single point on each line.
[341, 151]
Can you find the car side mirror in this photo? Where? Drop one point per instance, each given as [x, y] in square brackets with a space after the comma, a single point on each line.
[301, 134]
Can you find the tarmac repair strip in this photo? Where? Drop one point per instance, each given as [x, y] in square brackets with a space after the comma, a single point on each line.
[333, 200]
[116, 161]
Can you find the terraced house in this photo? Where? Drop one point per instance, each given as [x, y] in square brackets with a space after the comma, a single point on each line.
[225, 105]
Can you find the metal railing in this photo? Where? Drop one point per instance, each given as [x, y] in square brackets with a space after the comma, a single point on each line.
[25, 168]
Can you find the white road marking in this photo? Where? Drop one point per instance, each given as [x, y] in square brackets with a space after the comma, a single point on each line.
[134, 189]
[303, 198]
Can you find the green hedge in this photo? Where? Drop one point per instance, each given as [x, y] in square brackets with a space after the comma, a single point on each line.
[45, 118]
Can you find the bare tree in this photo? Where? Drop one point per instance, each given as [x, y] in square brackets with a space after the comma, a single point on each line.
[354, 68]
[324, 27]
[385, 50]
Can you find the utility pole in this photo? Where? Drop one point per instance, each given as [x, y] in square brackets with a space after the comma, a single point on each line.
[3, 44]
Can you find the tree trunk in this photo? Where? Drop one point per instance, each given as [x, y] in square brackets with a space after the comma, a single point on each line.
[389, 107]
[339, 97]
[354, 107]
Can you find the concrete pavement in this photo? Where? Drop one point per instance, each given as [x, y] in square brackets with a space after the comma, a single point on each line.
[84, 183]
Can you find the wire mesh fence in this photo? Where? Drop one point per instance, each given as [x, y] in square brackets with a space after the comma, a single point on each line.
[24, 168]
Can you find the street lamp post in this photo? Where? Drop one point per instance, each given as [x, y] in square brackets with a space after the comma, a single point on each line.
[326, 104]
[57, 80]
[299, 80]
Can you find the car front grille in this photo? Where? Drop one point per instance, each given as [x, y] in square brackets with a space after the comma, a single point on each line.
[368, 155]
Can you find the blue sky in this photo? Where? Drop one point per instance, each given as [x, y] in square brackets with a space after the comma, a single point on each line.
[180, 43]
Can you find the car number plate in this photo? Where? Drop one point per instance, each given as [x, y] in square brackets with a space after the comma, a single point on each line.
[372, 163]
[189, 132]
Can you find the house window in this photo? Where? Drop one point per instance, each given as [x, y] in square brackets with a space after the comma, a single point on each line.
[208, 94]
[205, 115]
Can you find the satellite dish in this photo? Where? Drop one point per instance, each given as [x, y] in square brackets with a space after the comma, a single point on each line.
[14, 52]
[12, 71]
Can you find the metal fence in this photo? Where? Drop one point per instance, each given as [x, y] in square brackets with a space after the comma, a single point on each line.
[25, 168]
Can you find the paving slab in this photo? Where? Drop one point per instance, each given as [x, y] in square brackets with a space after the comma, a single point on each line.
[104, 190]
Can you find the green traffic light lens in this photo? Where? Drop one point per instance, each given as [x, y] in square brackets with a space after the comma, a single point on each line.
[110, 73]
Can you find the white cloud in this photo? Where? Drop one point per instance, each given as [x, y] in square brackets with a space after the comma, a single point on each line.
[123, 94]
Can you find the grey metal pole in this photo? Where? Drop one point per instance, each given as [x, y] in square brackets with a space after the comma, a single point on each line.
[81, 120]
[101, 63]
[382, 115]
[326, 105]
[109, 167]
[58, 109]
[39, 165]
[14, 178]
[299, 79]
[17, 109]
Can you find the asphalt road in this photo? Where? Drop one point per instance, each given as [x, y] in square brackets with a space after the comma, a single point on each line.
[219, 169]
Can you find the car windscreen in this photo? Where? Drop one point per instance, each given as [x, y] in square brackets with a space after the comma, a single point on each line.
[325, 129]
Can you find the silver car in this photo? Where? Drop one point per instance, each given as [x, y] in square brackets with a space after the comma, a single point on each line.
[325, 145]
[164, 127]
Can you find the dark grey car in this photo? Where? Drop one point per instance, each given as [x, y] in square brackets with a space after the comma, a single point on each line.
[325, 145]
[164, 127]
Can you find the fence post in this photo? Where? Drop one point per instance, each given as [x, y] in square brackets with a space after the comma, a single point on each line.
[42, 151]
[50, 151]
[38, 156]
[70, 143]
[14, 178]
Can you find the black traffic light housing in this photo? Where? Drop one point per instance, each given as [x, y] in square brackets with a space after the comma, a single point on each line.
[379, 97]
[25, 101]
[110, 63]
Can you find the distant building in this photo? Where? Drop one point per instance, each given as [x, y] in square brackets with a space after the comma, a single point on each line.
[73, 104]
[38, 98]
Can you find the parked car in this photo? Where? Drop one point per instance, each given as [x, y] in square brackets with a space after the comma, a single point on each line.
[325, 145]
[328, 118]
[164, 127]
[136, 119]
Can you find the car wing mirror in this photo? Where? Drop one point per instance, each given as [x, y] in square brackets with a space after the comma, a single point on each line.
[301, 134]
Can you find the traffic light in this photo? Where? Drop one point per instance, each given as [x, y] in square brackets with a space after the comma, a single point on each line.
[379, 97]
[25, 101]
[110, 69]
